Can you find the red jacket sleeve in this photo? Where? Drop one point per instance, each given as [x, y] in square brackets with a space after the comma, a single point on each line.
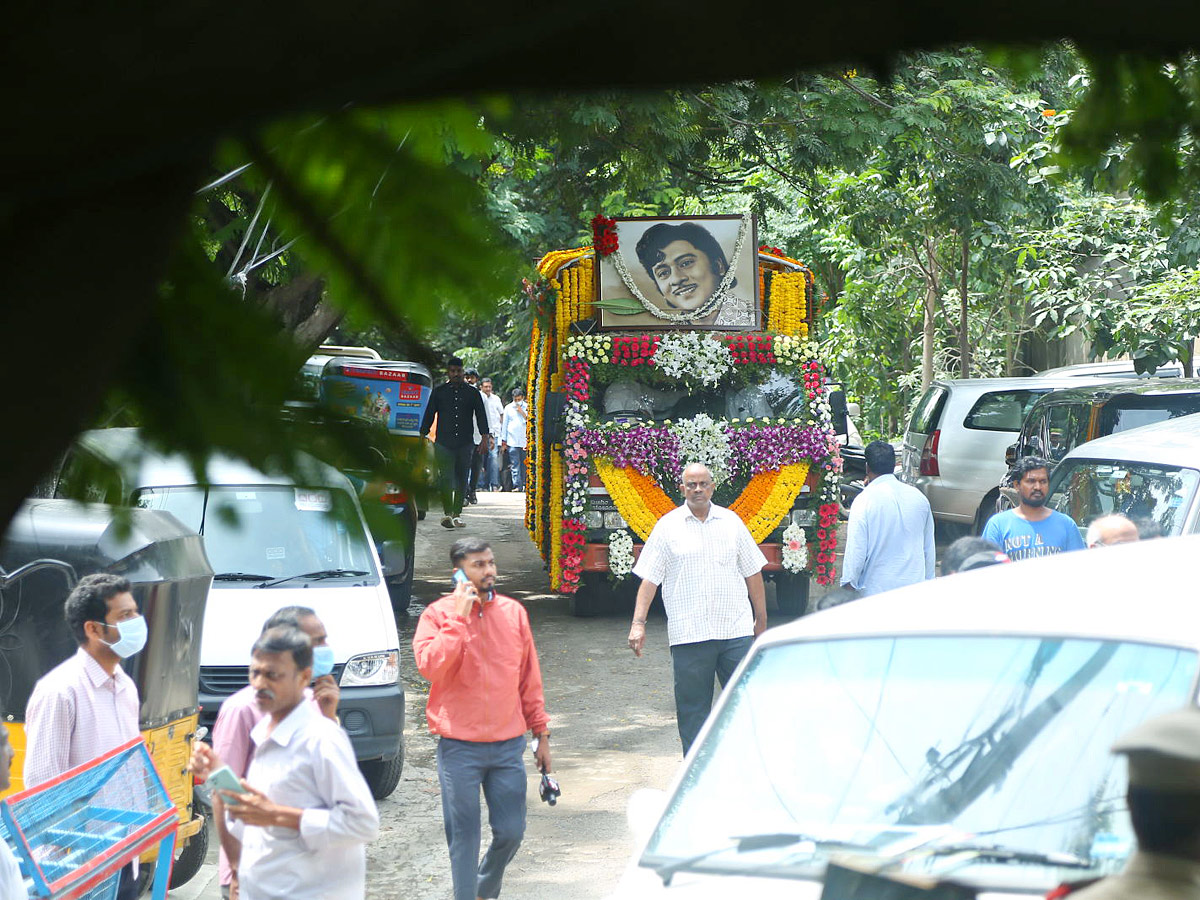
[438, 643]
[533, 701]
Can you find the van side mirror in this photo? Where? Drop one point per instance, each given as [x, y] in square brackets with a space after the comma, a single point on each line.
[1010, 455]
[837, 412]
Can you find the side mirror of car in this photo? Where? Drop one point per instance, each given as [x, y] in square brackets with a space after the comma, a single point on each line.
[1010, 455]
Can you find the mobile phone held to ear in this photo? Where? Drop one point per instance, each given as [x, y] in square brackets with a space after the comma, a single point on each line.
[460, 577]
[223, 779]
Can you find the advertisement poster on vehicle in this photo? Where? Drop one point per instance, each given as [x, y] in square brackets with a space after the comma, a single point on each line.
[393, 396]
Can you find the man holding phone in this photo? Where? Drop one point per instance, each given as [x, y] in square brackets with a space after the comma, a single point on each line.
[304, 814]
[476, 648]
[240, 713]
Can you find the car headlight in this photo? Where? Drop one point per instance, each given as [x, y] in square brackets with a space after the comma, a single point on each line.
[593, 519]
[372, 669]
[613, 521]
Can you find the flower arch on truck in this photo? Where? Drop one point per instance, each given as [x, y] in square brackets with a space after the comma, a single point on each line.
[763, 463]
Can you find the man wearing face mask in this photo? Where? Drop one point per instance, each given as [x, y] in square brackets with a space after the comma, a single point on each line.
[241, 712]
[87, 705]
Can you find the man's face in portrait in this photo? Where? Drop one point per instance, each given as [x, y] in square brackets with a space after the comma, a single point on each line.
[685, 275]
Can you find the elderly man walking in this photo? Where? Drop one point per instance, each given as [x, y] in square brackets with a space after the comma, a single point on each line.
[305, 815]
[710, 570]
[889, 541]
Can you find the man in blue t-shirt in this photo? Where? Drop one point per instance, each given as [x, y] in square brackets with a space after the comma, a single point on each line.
[1031, 529]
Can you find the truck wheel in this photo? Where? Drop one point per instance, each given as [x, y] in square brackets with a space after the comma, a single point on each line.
[382, 775]
[593, 597]
[791, 593]
[188, 863]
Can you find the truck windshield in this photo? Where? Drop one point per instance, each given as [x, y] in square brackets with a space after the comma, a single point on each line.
[767, 393]
[275, 531]
[924, 739]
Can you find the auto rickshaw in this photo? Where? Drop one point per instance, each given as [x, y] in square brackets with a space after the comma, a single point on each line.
[48, 546]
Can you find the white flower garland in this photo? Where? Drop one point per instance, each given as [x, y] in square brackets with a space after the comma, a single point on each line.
[719, 296]
[702, 439]
[620, 553]
[693, 354]
[794, 549]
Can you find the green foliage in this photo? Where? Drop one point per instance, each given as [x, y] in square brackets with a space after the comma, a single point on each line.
[1158, 325]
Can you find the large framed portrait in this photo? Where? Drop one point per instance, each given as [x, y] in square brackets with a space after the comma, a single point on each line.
[680, 272]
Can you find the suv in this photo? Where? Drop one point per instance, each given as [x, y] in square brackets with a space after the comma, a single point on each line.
[1116, 368]
[1062, 420]
[954, 446]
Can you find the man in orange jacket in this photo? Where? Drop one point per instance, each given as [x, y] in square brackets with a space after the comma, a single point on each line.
[476, 649]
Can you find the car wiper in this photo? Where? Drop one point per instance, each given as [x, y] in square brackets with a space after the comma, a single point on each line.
[240, 576]
[752, 842]
[997, 853]
[315, 576]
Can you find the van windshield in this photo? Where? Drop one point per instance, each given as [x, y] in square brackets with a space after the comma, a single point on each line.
[276, 531]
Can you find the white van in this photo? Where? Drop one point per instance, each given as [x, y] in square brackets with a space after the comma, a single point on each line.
[273, 542]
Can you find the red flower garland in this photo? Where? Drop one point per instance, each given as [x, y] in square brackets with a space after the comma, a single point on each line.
[573, 539]
[634, 350]
[827, 535]
[766, 248]
[604, 235]
[751, 348]
[576, 379]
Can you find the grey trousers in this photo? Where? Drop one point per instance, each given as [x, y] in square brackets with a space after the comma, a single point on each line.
[695, 665]
[499, 768]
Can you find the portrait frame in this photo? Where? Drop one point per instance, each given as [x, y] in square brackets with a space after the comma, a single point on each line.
[728, 297]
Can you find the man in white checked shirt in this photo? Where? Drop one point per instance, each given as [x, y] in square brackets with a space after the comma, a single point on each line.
[710, 570]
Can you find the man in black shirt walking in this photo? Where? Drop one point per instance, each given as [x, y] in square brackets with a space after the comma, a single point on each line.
[454, 403]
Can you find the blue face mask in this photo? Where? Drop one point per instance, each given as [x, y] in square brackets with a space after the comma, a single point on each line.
[132, 637]
[322, 661]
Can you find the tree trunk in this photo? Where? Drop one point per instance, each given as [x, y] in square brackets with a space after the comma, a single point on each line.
[929, 332]
[964, 336]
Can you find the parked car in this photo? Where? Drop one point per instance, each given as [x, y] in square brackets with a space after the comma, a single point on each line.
[1117, 368]
[939, 727]
[1062, 420]
[272, 542]
[1147, 473]
[954, 446]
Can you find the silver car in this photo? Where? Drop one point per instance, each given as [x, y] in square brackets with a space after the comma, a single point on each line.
[954, 446]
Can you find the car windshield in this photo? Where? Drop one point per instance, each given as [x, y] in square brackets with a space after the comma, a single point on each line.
[1085, 489]
[991, 740]
[271, 531]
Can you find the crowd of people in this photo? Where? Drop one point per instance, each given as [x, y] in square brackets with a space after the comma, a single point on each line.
[480, 442]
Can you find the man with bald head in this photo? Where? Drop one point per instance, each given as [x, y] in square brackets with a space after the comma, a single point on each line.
[710, 570]
[1111, 529]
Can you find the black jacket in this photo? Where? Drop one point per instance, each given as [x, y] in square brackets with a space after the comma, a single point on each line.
[454, 404]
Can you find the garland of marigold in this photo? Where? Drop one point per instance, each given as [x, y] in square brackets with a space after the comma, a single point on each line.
[787, 309]
[639, 499]
[768, 498]
[556, 521]
[531, 485]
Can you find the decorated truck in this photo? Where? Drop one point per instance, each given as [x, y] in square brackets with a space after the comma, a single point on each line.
[667, 342]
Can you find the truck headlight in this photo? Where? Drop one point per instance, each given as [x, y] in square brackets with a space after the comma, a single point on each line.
[805, 518]
[372, 669]
[593, 519]
[613, 521]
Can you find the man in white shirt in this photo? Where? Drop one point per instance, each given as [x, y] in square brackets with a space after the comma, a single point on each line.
[494, 408]
[889, 541]
[307, 814]
[710, 570]
[513, 437]
[87, 705]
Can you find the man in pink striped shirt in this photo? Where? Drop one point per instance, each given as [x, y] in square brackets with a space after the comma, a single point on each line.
[87, 705]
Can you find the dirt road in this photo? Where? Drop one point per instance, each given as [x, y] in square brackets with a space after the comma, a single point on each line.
[612, 718]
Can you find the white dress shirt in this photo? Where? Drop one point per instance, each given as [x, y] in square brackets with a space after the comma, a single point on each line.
[889, 541]
[513, 427]
[702, 567]
[494, 407]
[307, 762]
[77, 711]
